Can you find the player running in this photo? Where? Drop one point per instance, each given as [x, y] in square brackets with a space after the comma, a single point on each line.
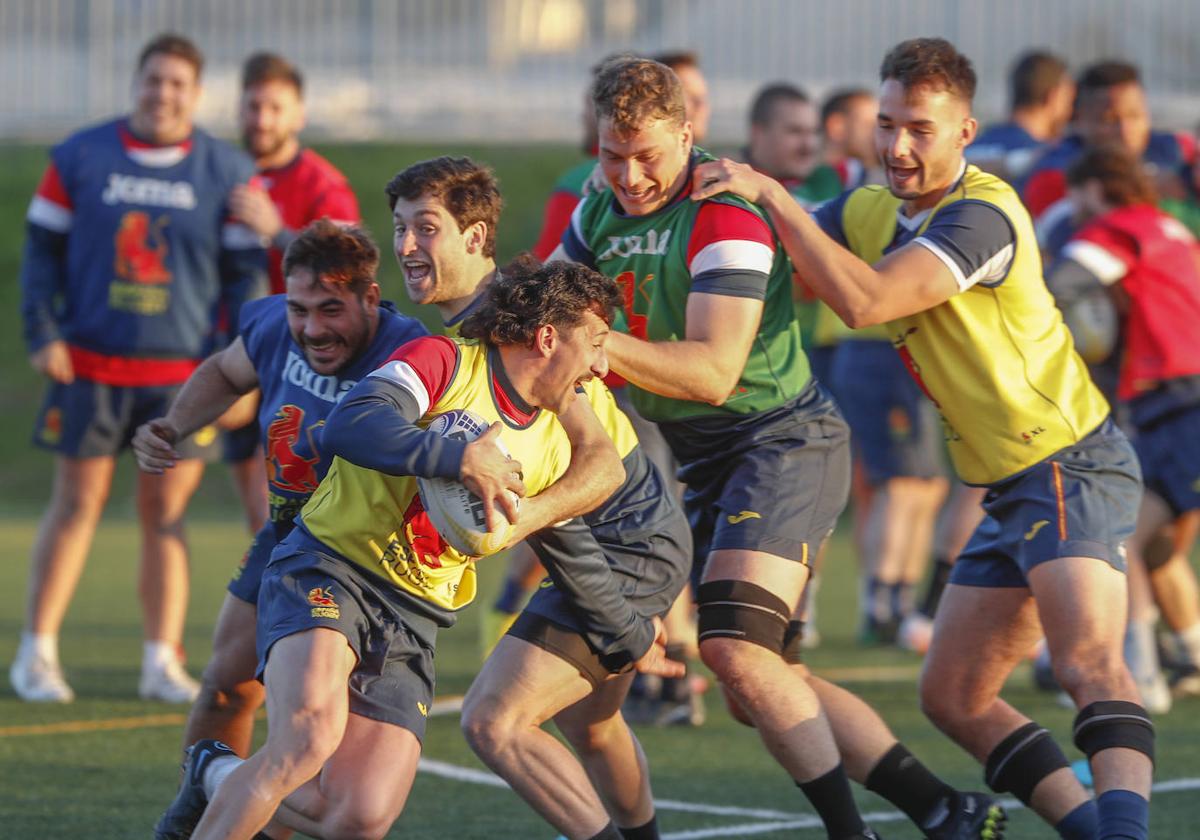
[576, 639]
[714, 356]
[354, 596]
[945, 256]
[304, 351]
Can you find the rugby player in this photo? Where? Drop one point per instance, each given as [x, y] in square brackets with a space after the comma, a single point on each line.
[945, 257]
[130, 251]
[295, 186]
[1041, 95]
[352, 599]
[713, 355]
[1148, 261]
[303, 351]
[574, 671]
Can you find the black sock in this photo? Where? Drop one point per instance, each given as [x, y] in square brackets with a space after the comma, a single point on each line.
[937, 585]
[676, 689]
[646, 831]
[609, 832]
[907, 783]
[830, 795]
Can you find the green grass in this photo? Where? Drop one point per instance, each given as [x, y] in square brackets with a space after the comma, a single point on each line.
[113, 784]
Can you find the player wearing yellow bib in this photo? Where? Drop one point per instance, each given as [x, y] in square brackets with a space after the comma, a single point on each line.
[351, 602]
[613, 572]
[945, 257]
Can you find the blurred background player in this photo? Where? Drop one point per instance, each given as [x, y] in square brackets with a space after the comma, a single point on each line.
[848, 128]
[130, 250]
[1110, 108]
[295, 186]
[1147, 261]
[303, 351]
[347, 633]
[1041, 95]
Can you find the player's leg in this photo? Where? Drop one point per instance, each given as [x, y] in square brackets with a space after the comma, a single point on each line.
[163, 581]
[612, 756]
[307, 710]
[981, 632]
[521, 686]
[77, 499]
[520, 578]
[250, 481]
[362, 788]
[1177, 594]
[1141, 646]
[229, 694]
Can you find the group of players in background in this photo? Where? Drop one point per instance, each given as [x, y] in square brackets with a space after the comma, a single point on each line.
[739, 311]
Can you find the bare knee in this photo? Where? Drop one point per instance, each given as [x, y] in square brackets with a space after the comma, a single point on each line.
[949, 702]
[737, 664]
[313, 733]
[489, 728]
[1090, 670]
[594, 737]
[736, 711]
[358, 821]
[77, 502]
[222, 695]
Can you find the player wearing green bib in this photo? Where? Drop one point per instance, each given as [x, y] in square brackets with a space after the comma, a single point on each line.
[946, 259]
[713, 355]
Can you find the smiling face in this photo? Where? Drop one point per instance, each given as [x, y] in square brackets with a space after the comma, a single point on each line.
[331, 323]
[271, 116]
[646, 167]
[166, 92]
[1115, 115]
[433, 253]
[571, 357]
[920, 135]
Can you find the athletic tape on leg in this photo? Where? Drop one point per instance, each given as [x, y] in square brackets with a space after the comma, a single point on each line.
[734, 609]
[1114, 723]
[1019, 763]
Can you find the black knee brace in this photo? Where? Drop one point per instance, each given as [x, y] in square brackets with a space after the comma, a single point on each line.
[1114, 723]
[734, 609]
[1022, 760]
[793, 643]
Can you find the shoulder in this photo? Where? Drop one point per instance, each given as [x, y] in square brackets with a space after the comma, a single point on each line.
[320, 170]
[231, 163]
[83, 145]
[262, 323]
[397, 327]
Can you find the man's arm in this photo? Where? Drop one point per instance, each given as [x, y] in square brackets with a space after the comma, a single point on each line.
[43, 276]
[909, 280]
[212, 388]
[706, 364]
[594, 473]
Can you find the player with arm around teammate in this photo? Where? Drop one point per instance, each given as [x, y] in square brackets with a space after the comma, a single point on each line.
[714, 356]
[945, 256]
[303, 350]
[612, 573]
[352, 599]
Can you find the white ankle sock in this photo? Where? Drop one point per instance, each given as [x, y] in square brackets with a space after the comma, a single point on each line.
[43, 646]
[157, 655]
[216, 772]
[1189, 643]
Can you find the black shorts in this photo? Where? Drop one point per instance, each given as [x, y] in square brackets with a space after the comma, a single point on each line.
[239, 445]
[774, 482]
[393, 680]
[88, 419]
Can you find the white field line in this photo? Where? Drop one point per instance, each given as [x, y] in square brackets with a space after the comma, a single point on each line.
[775, 820]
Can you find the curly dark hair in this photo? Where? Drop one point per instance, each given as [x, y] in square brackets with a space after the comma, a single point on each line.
[633, 91]
[341, 255]
[933, 62]
[527, 296]
[1123, 179]
[468, 190]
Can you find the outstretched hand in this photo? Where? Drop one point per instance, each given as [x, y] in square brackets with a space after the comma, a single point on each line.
[154, 446]
[492, 476]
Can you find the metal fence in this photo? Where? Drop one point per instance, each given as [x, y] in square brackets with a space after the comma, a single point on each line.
[516, 69]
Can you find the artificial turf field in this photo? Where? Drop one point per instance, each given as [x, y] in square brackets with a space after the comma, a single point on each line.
[105, 766]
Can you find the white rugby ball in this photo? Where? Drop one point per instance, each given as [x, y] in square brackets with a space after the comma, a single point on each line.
[1094, 324]
[455, 511]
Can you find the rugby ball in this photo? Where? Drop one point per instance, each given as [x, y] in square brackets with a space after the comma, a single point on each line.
[455, 511]
[1094, 324]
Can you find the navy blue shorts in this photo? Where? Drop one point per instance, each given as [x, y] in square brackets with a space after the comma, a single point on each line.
[774, 482]
[88, 419]
[896, 429]
[303, 589]
[1170, 454]
[820, 361]
[1081, 502]
[240, 444]
[247, 577]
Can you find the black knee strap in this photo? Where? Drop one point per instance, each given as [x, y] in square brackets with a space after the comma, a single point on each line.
[1022, 760]
[734, 609]
[793, 643]
[1114, 723]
